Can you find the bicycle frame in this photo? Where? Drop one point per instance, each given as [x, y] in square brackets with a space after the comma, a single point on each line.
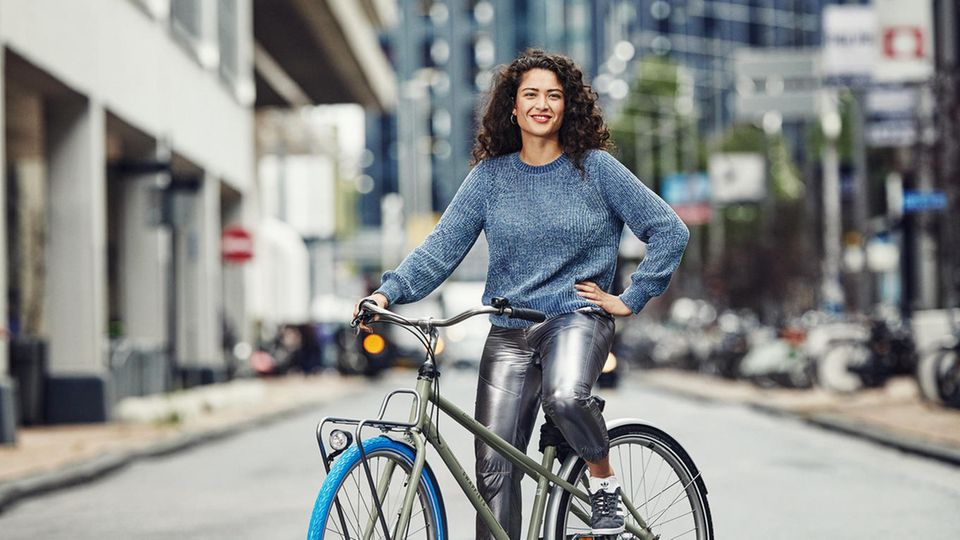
[420, 428]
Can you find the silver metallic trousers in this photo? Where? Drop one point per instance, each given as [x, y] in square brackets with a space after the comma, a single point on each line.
[558, 361]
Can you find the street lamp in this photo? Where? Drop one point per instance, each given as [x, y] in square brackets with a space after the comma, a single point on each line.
[832, 292]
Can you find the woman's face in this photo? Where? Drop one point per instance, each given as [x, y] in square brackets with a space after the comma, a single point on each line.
[539, 104]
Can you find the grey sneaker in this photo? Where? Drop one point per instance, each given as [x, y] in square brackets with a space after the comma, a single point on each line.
[607, 515]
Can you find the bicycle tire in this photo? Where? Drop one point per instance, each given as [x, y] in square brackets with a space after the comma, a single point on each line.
[928, 376]
[348, 465]
[833, 368]
[669, 451]
[948, 377]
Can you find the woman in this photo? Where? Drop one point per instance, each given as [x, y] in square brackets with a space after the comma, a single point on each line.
[552, 204]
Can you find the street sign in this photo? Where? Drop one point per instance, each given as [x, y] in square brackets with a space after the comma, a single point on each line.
[689, 196]
[236, 244]
[849, 44]
[683, 188]
[905, 41]
[737, 177]
[891, 132]
[923, 201]
[785, 81]
[891, 112]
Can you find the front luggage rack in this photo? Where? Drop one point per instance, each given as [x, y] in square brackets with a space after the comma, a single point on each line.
[385, 426]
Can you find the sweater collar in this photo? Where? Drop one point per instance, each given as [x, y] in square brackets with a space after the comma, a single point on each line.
[537, 169]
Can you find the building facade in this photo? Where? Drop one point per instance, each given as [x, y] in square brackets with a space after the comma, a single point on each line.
[129, 144]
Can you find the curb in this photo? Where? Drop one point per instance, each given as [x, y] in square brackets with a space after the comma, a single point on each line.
[101, 466]
[832, 422]
[836, 423]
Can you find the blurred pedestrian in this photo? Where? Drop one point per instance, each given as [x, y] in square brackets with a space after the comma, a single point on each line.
[552, 203]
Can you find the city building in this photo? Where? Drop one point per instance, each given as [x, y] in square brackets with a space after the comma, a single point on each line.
[129, 148]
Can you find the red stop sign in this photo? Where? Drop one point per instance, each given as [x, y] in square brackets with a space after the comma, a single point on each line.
[236, 244]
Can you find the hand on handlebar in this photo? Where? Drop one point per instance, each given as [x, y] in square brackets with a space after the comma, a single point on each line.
[361, 319]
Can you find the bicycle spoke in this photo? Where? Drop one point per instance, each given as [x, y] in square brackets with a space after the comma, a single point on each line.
[659, 482]
[355, 513]
[656, 482]
[675, 499]
[370, 511]
[662, 523]
[643, 477]
[659, 493]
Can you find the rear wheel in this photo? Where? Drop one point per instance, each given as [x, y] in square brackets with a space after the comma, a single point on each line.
[928, 377]
[948, 377]
[658, 476]
[836, 370]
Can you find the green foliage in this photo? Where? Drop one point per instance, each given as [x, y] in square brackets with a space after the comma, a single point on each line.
[652, 136]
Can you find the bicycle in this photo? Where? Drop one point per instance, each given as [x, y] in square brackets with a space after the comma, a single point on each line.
[938, 372]
[382, 487]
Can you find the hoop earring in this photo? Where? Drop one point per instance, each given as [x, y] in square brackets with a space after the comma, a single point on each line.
[513, 119]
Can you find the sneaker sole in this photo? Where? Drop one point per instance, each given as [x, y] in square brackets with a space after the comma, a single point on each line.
[608, 531]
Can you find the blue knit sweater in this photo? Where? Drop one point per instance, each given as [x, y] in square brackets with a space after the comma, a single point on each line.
[547, 227]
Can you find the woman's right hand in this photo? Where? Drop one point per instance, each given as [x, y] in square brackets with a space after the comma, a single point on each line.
[381, 302]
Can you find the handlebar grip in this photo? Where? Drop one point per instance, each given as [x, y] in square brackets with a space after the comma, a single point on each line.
[363, 316]
[527, 314]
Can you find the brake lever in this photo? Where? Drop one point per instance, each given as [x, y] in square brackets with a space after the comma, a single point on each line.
[363, 316]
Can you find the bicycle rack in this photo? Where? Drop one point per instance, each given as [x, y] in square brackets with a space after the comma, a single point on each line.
[385, 426]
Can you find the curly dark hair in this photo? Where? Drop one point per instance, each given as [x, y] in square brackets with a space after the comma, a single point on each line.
[583, 128]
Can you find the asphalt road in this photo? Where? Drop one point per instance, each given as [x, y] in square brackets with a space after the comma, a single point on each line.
[769, 478]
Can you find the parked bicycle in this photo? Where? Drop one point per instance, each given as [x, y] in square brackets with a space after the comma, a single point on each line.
[887, 350]
[382, 487]
[938, 372]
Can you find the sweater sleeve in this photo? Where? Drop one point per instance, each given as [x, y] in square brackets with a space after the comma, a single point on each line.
[652, 220]
[432, 262]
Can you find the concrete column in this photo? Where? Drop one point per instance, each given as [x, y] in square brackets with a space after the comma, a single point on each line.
[144, 256]
[7, 416]
[143, 249]
[200, 287]
[76, 301]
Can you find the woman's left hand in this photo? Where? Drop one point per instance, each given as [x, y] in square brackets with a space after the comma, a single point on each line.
[610, 303]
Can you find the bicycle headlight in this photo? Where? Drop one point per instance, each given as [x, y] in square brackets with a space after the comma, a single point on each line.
[340, 439]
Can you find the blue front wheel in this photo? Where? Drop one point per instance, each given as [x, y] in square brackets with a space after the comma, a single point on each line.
[345, 507]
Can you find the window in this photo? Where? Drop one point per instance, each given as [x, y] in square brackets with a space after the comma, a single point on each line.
[186, 18]
[227, 39]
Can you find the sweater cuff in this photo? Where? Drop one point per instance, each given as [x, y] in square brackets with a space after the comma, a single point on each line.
[635, 298]
[392, 290]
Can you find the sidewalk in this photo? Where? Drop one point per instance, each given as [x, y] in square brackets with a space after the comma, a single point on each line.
[894, 415]
[46, 458]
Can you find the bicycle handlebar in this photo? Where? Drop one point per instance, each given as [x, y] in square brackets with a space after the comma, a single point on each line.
[368, 307]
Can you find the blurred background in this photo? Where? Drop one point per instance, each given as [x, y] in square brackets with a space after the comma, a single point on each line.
[200, 190]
